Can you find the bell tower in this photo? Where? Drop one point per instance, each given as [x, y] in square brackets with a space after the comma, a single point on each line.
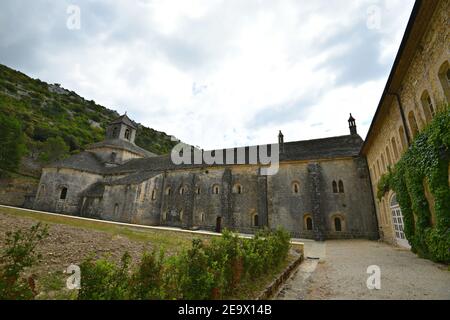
[121, 128]
[352, 125]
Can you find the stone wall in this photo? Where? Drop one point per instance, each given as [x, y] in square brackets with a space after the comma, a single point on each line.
[389, 139]
[54, 180]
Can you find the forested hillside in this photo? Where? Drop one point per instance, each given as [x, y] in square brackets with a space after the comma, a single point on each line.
[55, 123]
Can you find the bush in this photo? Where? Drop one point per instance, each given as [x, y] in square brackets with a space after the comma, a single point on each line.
[210, 270]
[426, 160]
[104, 280]
[19, 254]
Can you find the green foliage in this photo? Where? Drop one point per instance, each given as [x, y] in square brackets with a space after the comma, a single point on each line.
[19, 254]
[104, 280]
[207, 270]
[426, 161]
[12, 145]
[44, 114]
[54, 149]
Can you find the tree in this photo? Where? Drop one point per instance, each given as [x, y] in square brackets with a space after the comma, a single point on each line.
[54, 149]
[12, 146]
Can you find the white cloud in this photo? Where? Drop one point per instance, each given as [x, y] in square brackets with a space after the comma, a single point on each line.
[215, 73]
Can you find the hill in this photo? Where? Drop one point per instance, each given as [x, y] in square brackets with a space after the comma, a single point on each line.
[47, 111]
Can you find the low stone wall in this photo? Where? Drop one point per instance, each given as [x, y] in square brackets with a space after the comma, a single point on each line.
[273, 288]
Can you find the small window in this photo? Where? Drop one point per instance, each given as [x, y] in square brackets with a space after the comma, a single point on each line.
[215, 189]
[63, 194]
[341, 186]
[308, 222]
[182, 190]
[256, 220]
[168, 191]
[115, 132]
[113, 157]
[337, 224]
[427, 105]
[202, 217]
[295, 187]
[116, 209]
[335, 188]
[394, 147]
[198, 190]
[181, 215]
[413, 123]
[164, 216]
[154, 194]
[127, 134]
[444, 77]
[237, 188]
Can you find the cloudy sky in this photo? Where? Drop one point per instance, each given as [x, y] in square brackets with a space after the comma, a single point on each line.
[214, 73]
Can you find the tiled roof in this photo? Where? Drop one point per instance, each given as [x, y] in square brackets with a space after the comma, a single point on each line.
[125, 120]
[121, 144]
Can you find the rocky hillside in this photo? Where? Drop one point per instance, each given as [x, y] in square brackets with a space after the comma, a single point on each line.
[56, 123]
[48, 111]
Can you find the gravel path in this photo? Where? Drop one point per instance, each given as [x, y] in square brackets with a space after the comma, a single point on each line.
[341, 273]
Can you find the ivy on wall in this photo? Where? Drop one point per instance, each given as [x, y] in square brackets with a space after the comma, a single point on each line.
[425, 162]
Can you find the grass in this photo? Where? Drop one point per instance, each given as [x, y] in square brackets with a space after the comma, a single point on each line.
[52, 285]
[170, 240]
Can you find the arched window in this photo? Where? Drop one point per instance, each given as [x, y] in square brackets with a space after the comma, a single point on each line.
[308, 222]
[335, 188]
[115, 132]
[388, 154]
[295, 187]
[153, 194]
[379, 168]
[198, 190]
[337, 224]
[127, 134]
[215, 189]
[182, 190]
[63, 194]
[341, 186]
[168, 191]
[444, 77]
[427, 105]
[202, 217]
[164, 216]
[116, 209]
[402, 135]
[413, 123]
[383, 163]
[394, 147]
[256, 220]
[181, 215]
[237, 188]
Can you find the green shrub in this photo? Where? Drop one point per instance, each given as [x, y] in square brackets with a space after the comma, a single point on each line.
[427, 159]
[104, 280]
[19, 254]
[207, 270]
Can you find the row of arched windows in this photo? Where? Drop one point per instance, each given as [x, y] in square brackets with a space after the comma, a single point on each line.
[338, 187]
[337, 223]
[215, 189]
[398, 143]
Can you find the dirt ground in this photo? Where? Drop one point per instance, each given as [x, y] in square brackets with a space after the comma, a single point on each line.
[68, 245]
[338, 270]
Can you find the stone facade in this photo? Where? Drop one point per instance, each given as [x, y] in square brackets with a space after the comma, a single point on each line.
[325, 180]
[419, 85]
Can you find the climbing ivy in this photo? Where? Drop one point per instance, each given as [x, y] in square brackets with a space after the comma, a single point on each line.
[425, 162]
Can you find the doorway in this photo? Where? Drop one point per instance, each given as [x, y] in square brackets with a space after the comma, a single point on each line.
[219, 224]
[397, 223]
